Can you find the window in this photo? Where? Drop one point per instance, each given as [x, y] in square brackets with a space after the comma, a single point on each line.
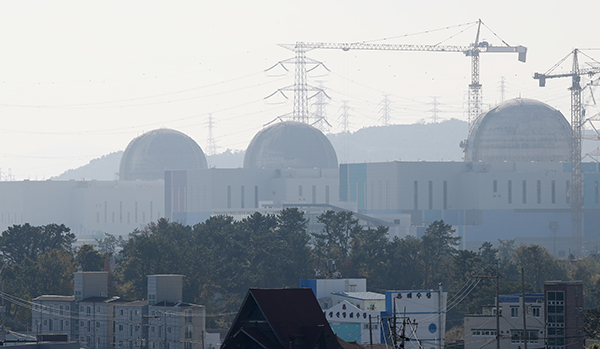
[535, 311]
[120, 327]
[188, 331]
[416, 193]
[516, 336]
[431, 195]
[121, 312]
[242, 196]
[514, 312]
[445, 195]
[524, 191]
[483, 332]
[539, 192]
[495, 186]
[373, 326]
[510, 192]
[553, 191]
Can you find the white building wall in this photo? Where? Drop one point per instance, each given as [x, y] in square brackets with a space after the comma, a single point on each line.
[480, 330]
[49, 315]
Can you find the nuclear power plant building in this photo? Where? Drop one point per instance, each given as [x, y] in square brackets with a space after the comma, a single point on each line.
[513, 184]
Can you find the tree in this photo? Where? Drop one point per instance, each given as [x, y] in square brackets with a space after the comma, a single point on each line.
[439, 246]
[88, 259]
[50, 273]
[405, 270]
[109, 244]
[334, 242]
[539, 265]
[26, 241]
[369, 256]
[161, 248]
[295, 257]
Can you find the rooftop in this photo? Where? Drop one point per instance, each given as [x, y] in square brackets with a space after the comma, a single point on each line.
[361, 295]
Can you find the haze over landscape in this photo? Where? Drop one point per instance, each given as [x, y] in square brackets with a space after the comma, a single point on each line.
[80, 80]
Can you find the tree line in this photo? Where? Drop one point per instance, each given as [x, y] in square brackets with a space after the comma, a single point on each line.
[221, 258]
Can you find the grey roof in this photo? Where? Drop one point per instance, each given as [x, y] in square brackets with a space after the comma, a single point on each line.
[149, 155]
[362, 295]
[520, 130]
[53, 297]
[290, 145]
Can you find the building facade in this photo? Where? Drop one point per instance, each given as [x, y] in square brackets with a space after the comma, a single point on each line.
[480, 330]
[564, 314]
[54, 314]
[97, 321]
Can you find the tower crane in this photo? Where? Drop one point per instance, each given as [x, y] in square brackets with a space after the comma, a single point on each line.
[473, 50]
[576, 186]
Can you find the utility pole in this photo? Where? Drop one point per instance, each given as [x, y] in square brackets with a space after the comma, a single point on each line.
[497, 307]
[435, 110]
[370, 332]
[525, 334]
[502, 88]
[345, 123]
[385, 110]
[497, 277]
[211, 148]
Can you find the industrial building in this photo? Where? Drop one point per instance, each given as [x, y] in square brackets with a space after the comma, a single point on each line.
[515, 183]
[97, 321]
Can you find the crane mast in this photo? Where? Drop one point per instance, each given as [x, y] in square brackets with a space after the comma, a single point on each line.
[576, 185]
[473, 51]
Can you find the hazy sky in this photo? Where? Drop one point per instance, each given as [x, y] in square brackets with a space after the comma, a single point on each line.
[80, 79]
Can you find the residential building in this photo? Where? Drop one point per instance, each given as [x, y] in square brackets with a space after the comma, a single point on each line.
[480, 330]
[54, 314]
[101, 322]
[324, 288]
[131, 324]
[176, 325]
[564, 314]
[417, 314]
[96, 320]
[351, 323]
[280, 319]
[368, 301]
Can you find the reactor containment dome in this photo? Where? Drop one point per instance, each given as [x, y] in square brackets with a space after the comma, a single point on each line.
[519, 130]
[290, 144]
[149, 155]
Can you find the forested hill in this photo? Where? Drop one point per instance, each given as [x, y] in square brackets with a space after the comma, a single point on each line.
[430, 142]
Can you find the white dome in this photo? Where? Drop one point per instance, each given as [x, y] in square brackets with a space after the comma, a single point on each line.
[519, 130]
[290, 145]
